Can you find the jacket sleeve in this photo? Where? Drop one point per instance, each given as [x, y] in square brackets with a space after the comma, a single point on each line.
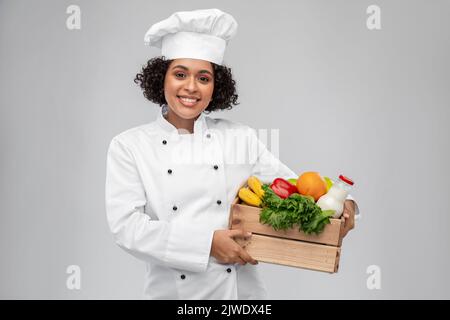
[267, 167]
[168, 243]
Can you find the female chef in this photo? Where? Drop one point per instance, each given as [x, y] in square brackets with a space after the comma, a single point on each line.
[170, 183]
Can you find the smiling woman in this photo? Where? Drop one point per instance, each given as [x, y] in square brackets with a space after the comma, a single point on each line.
[152, 79]
[188, 89]
[171, 210]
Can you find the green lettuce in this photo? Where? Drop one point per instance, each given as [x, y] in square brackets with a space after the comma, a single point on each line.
[284, 214]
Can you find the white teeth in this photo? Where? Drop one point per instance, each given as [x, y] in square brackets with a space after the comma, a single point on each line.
[188, 100]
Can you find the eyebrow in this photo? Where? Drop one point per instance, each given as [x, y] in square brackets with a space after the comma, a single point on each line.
[187, 69]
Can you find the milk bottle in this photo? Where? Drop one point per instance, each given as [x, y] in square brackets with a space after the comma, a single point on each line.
[335, 197]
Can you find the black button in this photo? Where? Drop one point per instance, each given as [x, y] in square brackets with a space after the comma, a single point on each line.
[183, 277]
[228, 270]
[164, 142]
[174, 208]
[169, 171]
[219, 202]
[208, 136]
[216, 167]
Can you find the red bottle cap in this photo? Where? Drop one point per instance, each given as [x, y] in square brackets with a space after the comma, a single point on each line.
[345, 179]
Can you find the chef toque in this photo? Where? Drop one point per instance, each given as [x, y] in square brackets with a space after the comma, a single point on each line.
[198, 34]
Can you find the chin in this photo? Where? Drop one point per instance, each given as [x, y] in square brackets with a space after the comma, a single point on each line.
[188, 113]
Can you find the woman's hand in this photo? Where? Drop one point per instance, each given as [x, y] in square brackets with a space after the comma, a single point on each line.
[348, 216]
[227, 251]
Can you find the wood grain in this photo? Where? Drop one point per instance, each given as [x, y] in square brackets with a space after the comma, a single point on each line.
[293, 253]
[247, 218]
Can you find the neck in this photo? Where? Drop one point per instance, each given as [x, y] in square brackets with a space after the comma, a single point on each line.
[184, 125]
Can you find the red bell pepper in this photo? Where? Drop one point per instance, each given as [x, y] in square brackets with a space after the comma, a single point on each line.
[283, 188]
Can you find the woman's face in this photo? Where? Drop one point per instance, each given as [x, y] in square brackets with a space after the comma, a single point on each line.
[188, 86]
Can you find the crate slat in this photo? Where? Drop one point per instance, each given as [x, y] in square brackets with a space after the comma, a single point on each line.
[288, 247]
[293, 253]
[247, 218]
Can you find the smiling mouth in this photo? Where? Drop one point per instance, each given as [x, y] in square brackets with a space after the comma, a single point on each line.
[189, 102]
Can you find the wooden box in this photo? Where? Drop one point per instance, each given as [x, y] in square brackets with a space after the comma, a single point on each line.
[288, 247]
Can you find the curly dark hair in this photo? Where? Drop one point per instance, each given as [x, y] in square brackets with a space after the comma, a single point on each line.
[151, 81]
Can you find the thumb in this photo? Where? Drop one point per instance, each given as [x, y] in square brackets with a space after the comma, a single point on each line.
[239, 233]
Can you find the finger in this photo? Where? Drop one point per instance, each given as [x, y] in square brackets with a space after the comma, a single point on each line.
[348, 226]
[240, 261]
[352, 220]
[349, 207]
[352, 224]
[345, 232]
[349, 204]
[239, 233]
[346, 215]
[246, 257]
[347, 223]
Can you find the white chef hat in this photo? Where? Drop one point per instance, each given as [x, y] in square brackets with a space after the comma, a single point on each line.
[198, 34]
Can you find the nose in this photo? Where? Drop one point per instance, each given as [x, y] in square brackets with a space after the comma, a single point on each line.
[191, 84]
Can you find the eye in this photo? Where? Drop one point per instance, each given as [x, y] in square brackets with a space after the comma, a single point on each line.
[204, 79]
[179, 75]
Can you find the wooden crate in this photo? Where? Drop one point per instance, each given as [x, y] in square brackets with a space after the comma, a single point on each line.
[288, 247]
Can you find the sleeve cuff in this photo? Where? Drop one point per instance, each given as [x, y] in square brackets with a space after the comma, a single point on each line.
[357, 213]
[189, 247]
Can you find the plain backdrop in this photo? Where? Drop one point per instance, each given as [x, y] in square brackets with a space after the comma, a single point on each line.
[370, 104]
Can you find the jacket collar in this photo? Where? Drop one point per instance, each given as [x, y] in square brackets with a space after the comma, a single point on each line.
[200, 124]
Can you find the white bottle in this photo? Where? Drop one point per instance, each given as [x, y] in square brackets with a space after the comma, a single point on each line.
[335, 197]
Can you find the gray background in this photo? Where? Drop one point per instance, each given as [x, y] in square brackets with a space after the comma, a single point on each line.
[373, 105]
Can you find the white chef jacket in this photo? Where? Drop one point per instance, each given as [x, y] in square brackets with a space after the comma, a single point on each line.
[166, 194]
